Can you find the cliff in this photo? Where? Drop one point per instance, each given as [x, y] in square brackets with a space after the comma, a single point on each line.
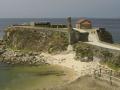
[36, 39]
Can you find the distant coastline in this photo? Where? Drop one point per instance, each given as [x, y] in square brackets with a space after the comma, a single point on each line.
[111, 24]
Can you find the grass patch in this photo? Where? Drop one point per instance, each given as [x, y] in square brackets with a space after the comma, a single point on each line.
[83, 51]
[41, 40]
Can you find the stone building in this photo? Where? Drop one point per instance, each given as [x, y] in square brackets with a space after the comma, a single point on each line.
[84, 24]
[86, 33]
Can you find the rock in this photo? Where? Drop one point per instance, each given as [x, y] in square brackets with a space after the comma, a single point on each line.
[18, 57]
[2, 51]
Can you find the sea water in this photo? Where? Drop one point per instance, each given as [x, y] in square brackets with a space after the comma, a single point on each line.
[30, 77]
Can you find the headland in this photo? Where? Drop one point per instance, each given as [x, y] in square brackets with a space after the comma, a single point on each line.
[82, 48]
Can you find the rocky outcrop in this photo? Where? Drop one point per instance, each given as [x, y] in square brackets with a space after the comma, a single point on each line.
[21, 58]
[36, 40]
[86, 52]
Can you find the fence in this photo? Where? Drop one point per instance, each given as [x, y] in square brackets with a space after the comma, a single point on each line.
[111, 76]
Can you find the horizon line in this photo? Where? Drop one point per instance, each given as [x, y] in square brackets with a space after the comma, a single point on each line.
[57, 17]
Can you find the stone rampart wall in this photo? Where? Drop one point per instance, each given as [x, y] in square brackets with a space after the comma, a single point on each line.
[36, 40]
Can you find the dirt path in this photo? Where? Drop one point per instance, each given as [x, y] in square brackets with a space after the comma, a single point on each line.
[104, 45]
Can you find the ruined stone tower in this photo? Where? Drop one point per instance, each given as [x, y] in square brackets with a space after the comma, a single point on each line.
[69, 25]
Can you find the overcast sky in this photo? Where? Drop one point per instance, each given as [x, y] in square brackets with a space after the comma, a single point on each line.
[59, 8]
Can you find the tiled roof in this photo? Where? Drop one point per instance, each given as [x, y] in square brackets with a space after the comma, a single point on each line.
[82, 20]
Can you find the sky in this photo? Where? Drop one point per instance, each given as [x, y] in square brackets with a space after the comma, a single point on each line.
[59, 8]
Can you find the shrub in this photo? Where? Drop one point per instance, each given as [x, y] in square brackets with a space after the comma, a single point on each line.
[83, 52]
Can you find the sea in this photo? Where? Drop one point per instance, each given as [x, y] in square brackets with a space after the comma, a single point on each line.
[111, 25]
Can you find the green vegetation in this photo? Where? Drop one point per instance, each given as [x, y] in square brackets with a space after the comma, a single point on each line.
[83, 51]
[37, 40]
[86, 52]
[58, 26]
[110, 60]
[42, 24]
[59, 42]
[106, 56]
[49, 25]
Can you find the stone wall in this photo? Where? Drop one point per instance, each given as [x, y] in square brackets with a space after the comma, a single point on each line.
[36, 40]
[104, 35]
[77, 36]
[91, 35]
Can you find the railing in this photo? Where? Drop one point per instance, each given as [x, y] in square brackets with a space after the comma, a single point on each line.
[111, 76]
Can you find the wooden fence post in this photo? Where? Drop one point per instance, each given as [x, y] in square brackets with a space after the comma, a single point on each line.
[100, 72]
[111, 77]
[95, 74]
